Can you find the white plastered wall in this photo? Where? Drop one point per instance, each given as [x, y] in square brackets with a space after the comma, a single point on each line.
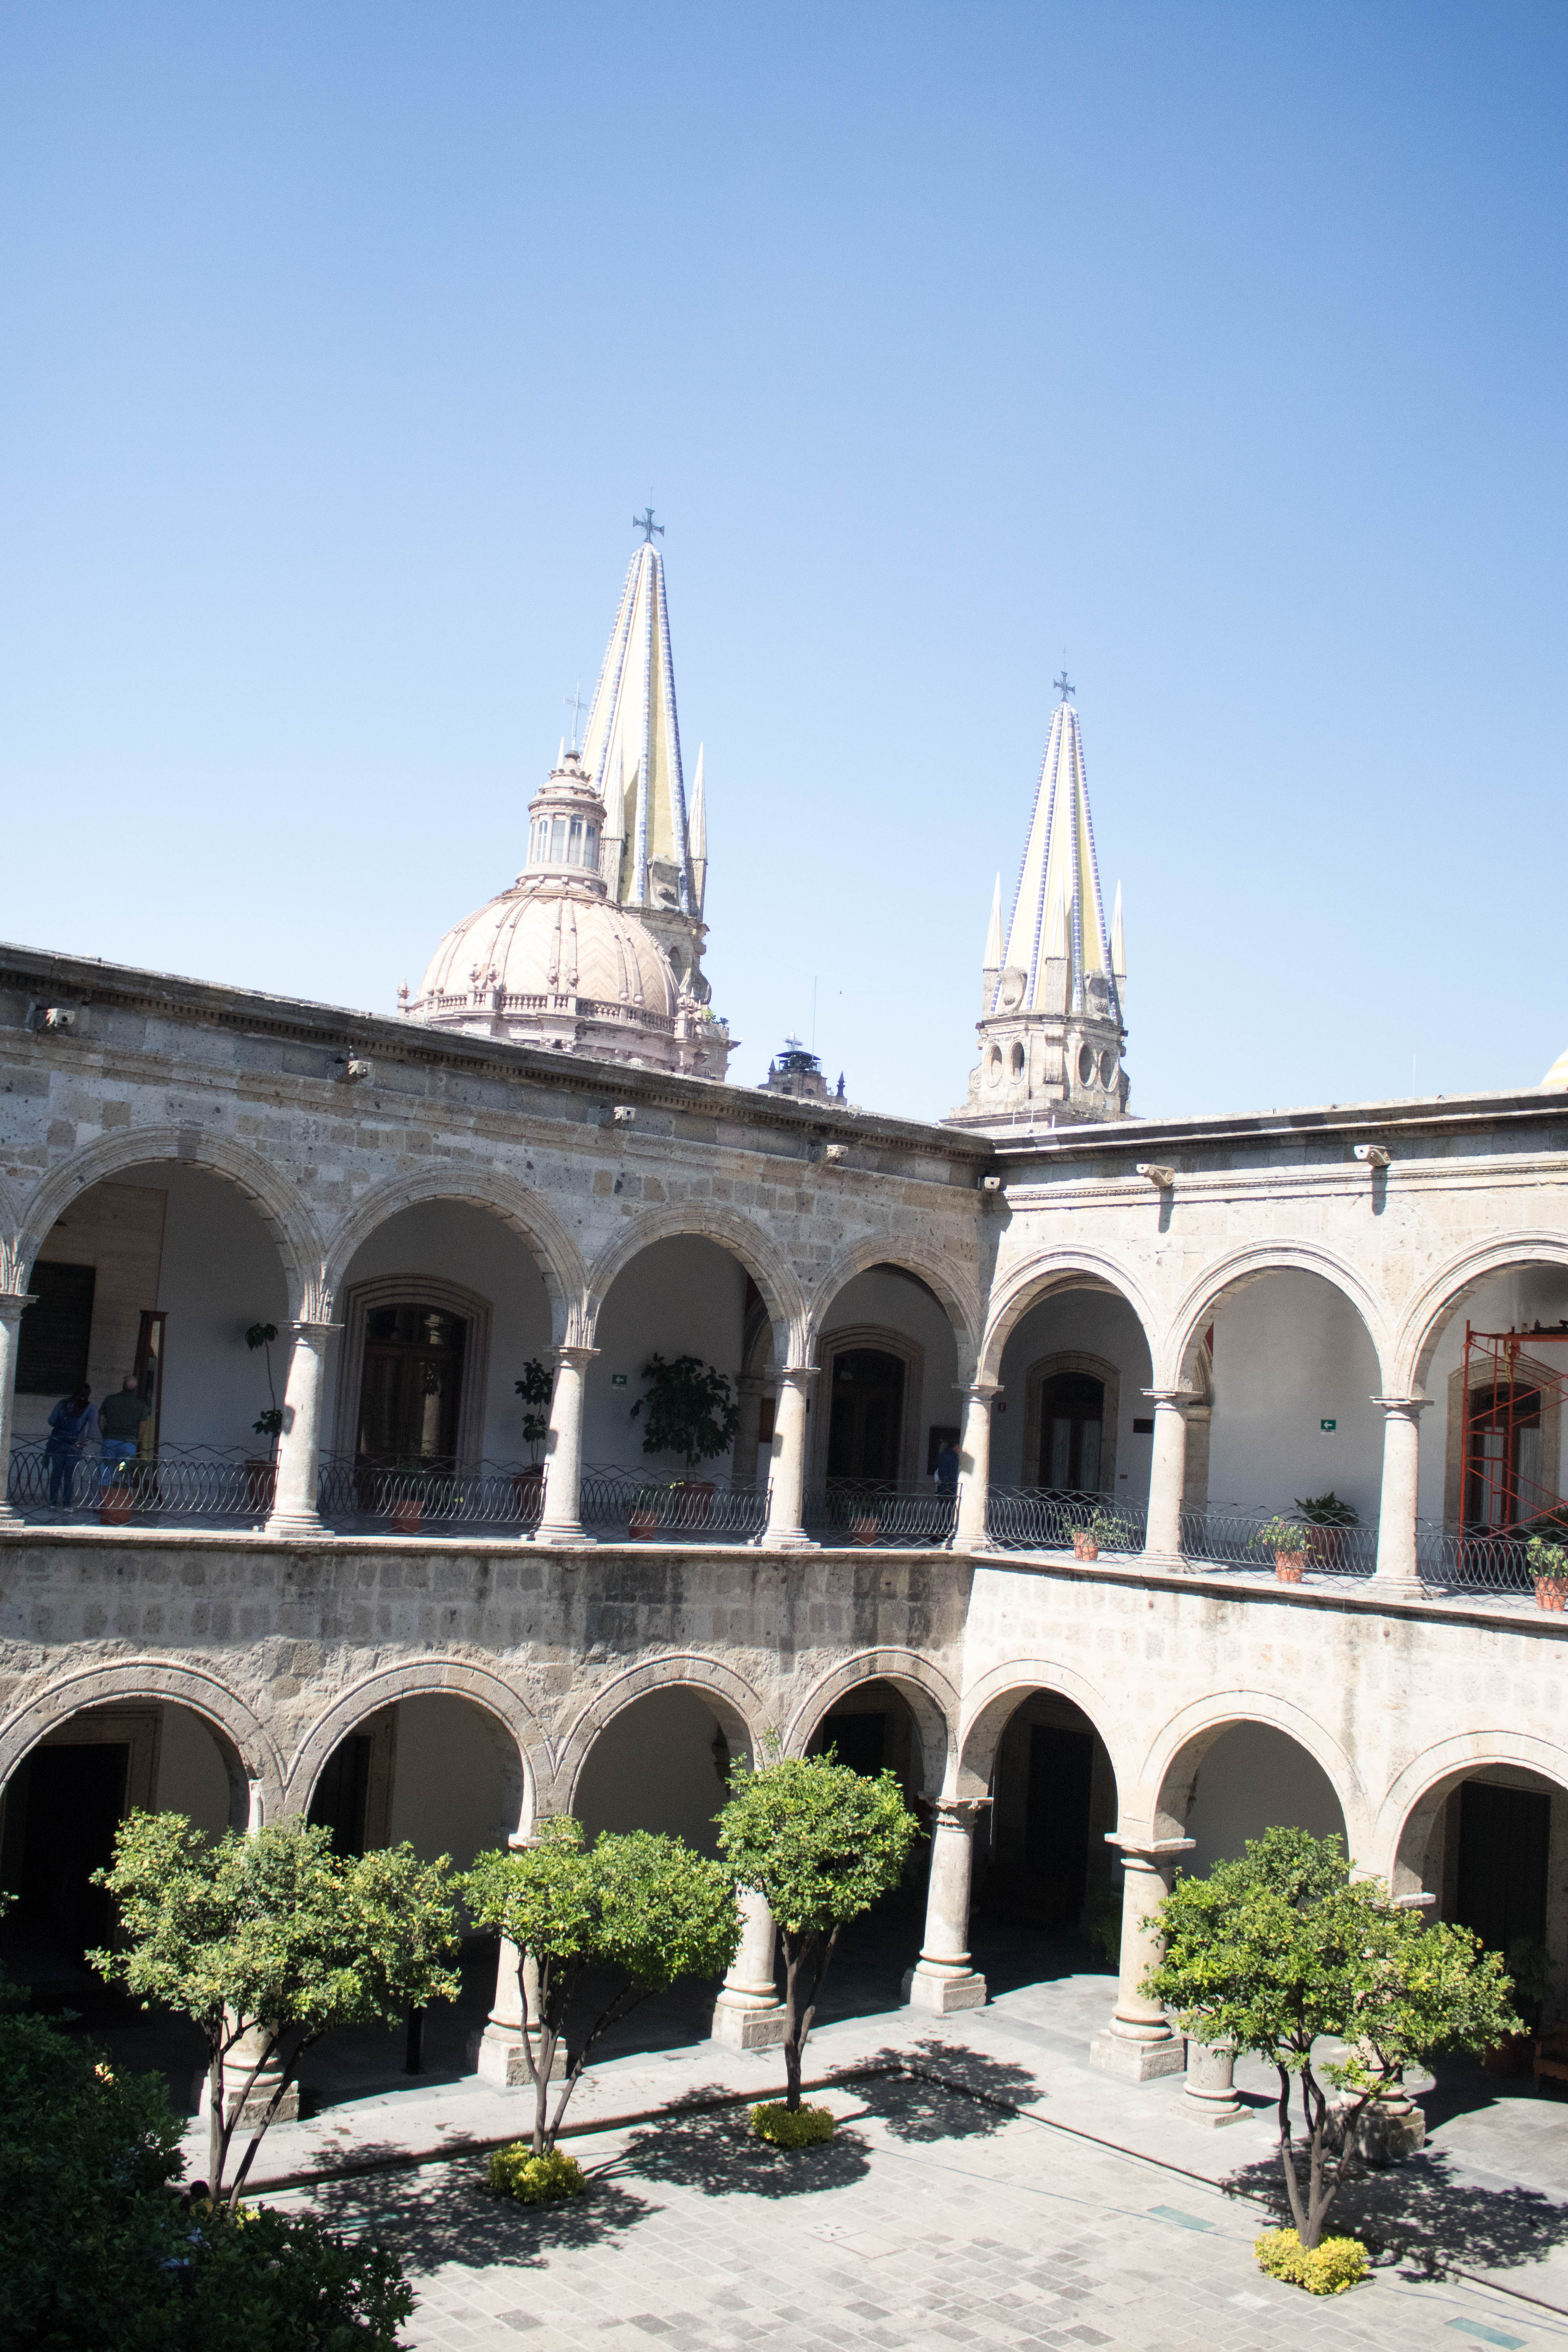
[1253, 1778]
[653, 1767]
[457, 1784]
[468, 1246]
[191, 1775]
[885, 1298]
[1289, 1353]
[118, 1230]
[683, 1296]
[1517, 1299]
[1076, 1322]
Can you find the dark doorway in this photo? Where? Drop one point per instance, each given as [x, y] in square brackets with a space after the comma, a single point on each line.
[339, 1803]
[1503, 1834]
[411, 1385]
[859, 1742]
[1055, 1834]
[866, 1414]
[68, 1801]
[1072, 1419]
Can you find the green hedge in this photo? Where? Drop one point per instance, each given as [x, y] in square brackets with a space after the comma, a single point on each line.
[1327, 2269]
[783, 2126]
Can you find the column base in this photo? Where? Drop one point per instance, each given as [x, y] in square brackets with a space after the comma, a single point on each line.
[943, 1994]
[1205, 2107]
[791, 1542]
[1395, 1588]
[740, 2027]
[256, 2106]
[1138, 2061]
[497, 2057]
[291, 1524]
[1382, 2138]
[565, 1538]
[1169, 1563]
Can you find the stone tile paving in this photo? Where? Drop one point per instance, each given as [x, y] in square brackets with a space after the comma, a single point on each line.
[930, 2223]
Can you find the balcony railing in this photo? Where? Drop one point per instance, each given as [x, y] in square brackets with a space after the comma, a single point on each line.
[1046, 1518]
[889, 1514]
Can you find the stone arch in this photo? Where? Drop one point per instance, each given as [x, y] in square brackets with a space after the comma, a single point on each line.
[737, 1704]
[546, 1239]
[990, 1704]
[1408, 1812]
[1429, 1313]
[1039, 1277]
[930, 1696]
[912, 1257]
[1175, 1358]
[278, 1201]
[255, 1769]
[711, 1220]
[1163, 1794]
[428, 1677]
[10, 1239]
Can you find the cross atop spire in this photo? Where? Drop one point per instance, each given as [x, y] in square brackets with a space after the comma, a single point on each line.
[1062, 686]
[646, 525]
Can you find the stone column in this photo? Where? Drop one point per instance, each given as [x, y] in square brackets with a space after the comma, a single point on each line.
[1397, 1571]
[294, 1509]
[785, 1530]
[1167, 1476]
[942, 1980]
[1138, 2044]
[749, 1390]
[970, 1531]
[11, 1305]
[748, 2013]
[563, 1518]
[1210, 2094]
[499, 2054]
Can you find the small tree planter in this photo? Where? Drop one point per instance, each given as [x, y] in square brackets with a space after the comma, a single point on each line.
[1289, 1566]
[404, 1518]
[1085, 1546]
[1550, 1591]
[865, 1530]
[528, 1492]
[260, 1484]
[696, 1500]
[642, 1527]
[115, 1506]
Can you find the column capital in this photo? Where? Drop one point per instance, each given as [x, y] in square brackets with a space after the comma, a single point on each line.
[797, 1375]
[983, 1392]
[1153, 1849]
[1180, 1398]
[313, 1326]
[12, 1302]
[572, 1351]
[1404, 1405]
[954, 1813]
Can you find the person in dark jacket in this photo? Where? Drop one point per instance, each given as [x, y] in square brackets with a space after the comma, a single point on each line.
[121, 1419]
[70, 1427]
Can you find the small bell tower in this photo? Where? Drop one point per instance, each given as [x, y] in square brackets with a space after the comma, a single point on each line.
[1052, 1028]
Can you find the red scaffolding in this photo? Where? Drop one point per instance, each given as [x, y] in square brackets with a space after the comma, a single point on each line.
[1509, 1390]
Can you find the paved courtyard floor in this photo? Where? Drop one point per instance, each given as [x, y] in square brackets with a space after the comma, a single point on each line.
[931, 2220]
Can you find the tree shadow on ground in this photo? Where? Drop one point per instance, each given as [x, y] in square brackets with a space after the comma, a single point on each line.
[1418, 2216]
[720, 2154]
[958, 2105]
[445, 2214]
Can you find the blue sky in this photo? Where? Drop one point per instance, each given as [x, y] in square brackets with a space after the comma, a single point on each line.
[1221, 345]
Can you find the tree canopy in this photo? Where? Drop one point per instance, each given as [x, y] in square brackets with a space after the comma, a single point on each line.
[275, 1937]
[819, 1843]
[1283, 1949]
[645, 1910]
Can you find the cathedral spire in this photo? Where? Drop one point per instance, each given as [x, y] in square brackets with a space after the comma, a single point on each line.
[1051, 1026]
[631, 749]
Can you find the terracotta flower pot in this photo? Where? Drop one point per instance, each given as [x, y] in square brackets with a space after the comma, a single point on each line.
[260, 1484]
[863, 1530]
[1289, 1565]
[405, 1518]
[115, 1506]
[528, 1492]
[1550, 1591]
[696, 1500]
[1086, 1547]
[642, 1527]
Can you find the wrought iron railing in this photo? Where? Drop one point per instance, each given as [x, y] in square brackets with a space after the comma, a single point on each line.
[888, 1513]
[1047, 1518]
[189, 1483]
[1227, 1535]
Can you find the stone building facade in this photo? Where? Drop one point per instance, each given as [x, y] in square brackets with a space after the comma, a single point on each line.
[1266, 1308]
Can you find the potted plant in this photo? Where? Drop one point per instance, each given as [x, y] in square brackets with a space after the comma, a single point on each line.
[262, 1472]
[115, 1506]
[417, 1487]
[1290, 1542]
[1550, 1563]
[1103, 1527]
[1085, 1543]
[690, 1412]
[864, 1527]
[535, 1389]
[1324, 1515]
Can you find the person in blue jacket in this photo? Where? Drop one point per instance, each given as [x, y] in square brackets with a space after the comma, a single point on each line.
[70, 1427]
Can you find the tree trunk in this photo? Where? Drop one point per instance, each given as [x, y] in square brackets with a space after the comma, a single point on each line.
[217, 2136]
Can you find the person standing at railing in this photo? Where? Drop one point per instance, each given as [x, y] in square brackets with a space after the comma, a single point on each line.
[70, 1427]
[120, 1420]
[948, 1466]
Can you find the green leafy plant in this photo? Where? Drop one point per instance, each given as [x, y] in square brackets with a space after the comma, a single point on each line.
[1283, 1949]
[1327, 1511]
[690, 1411]
[1283, 1535]
[785, 2127]
[257, 2281]
[645, 1910]
[819, 1844]
[1102, 1925]
[1327, 2268]
[536, 1388]
[1549, 1561]
[272, 1941]
[1529, 1966]
[268, 1424]
[516, 2171]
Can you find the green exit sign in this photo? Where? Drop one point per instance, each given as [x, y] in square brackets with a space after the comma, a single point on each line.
[1328, 1424]
[618, 1381]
